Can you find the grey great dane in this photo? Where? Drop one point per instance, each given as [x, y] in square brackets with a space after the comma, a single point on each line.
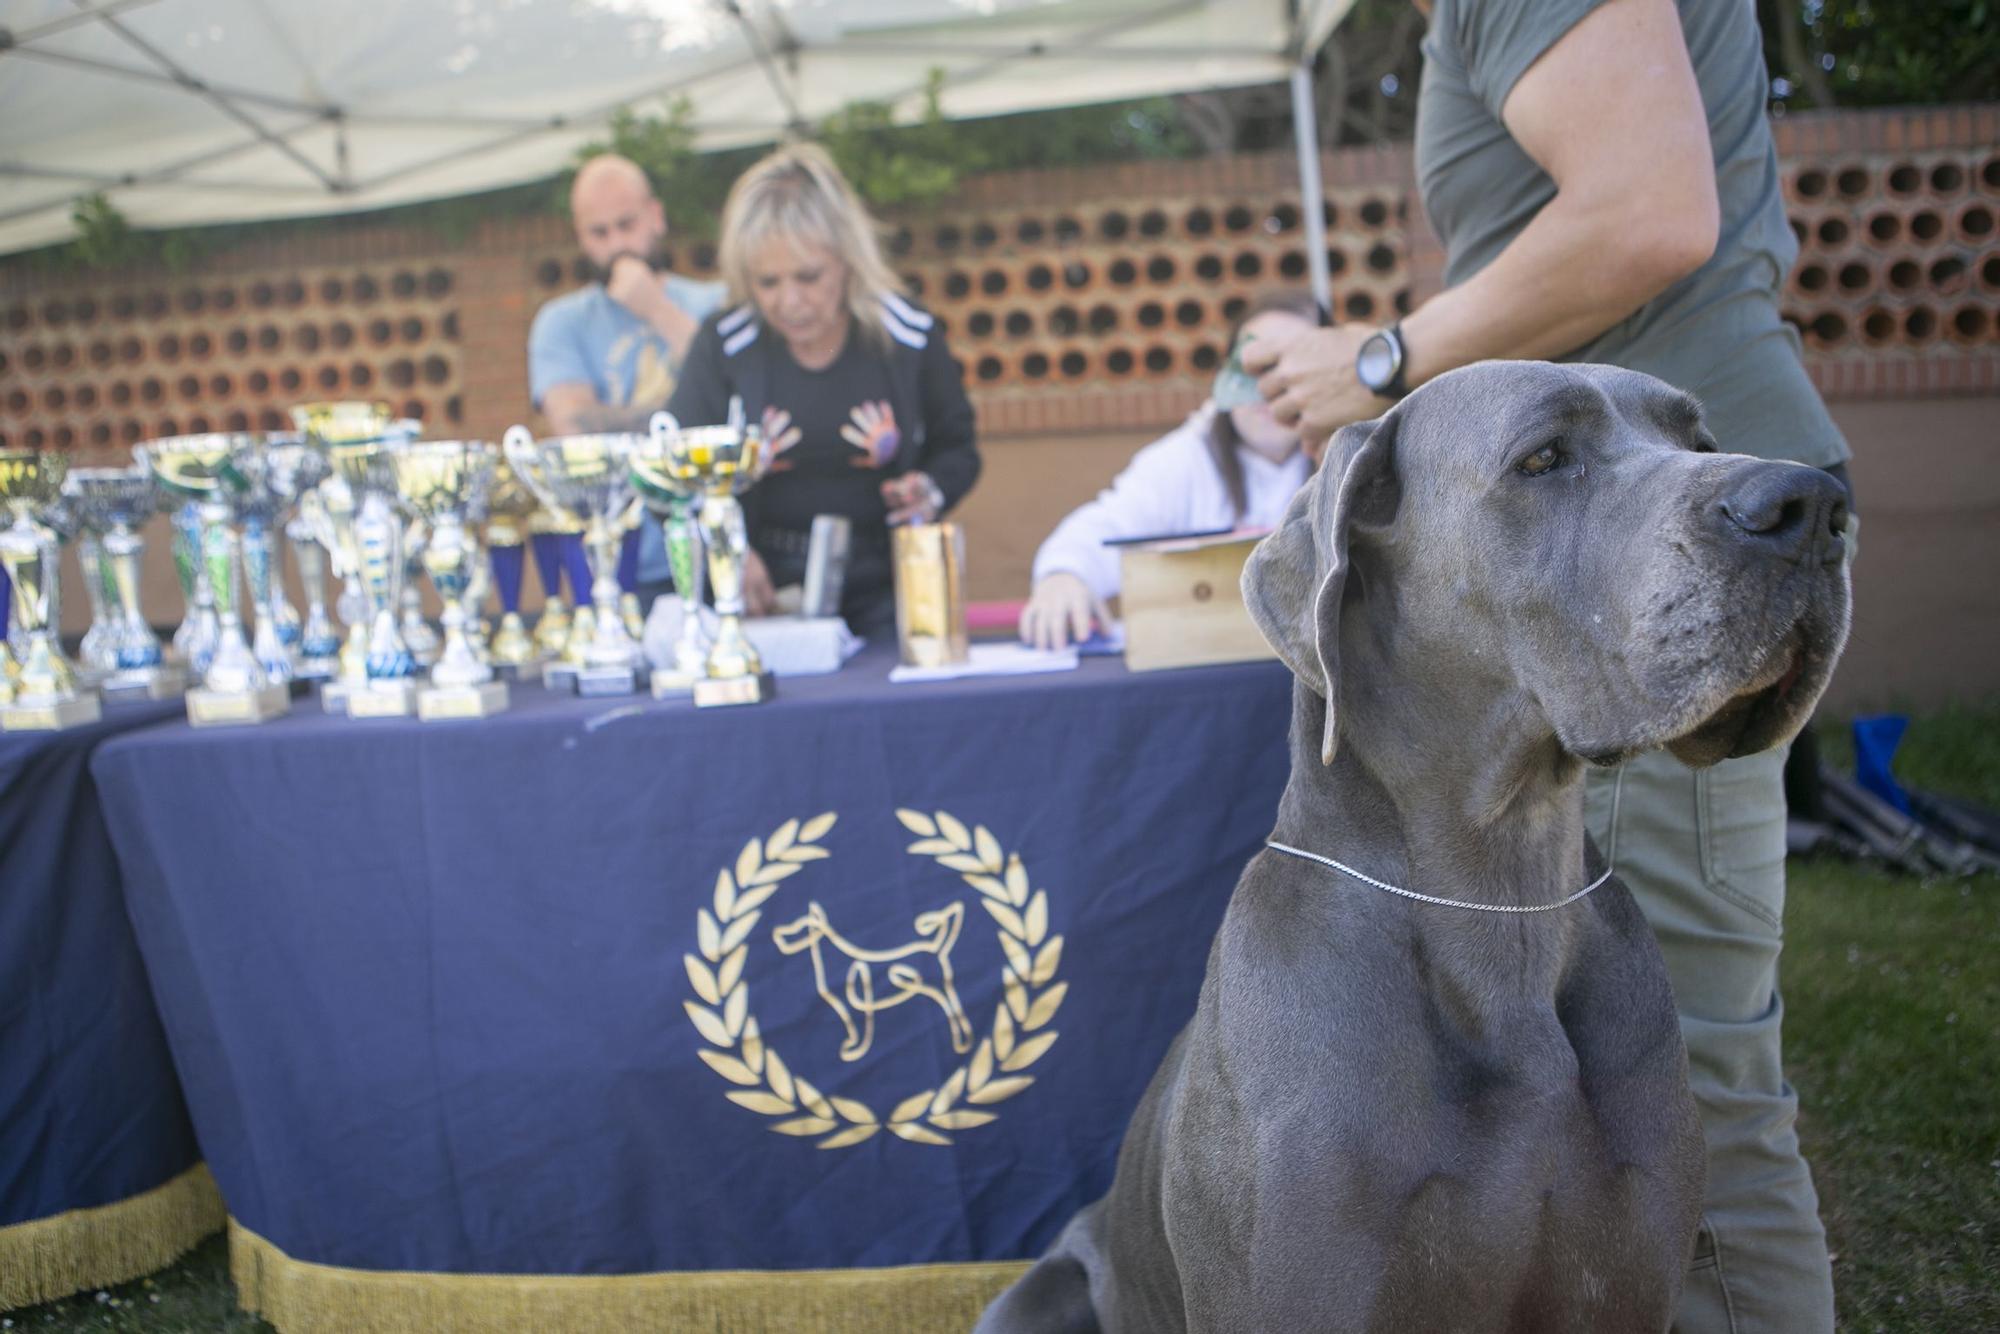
[1391, 1114]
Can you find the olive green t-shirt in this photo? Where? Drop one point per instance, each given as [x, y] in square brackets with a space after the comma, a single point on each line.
[1716, 333]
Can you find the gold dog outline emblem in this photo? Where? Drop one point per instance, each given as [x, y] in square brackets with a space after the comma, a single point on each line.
[937, 932]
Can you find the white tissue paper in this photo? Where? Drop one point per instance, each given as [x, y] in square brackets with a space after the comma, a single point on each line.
[789, 645]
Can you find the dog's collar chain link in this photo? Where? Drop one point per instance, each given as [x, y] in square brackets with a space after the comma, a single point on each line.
[1430, 898]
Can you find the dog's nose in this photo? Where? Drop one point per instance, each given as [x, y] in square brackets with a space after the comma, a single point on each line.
[1799, 511]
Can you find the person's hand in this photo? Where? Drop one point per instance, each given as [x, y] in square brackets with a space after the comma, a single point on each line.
[778, 429]
[632, 283]
[871, 428]
[912, 498]
[1310, 382]
[1060, 612]
[759, 597]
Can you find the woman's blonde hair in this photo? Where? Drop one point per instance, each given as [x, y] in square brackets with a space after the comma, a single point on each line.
[798, 194]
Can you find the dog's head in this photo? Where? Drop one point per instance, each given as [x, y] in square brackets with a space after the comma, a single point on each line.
[1566, 540]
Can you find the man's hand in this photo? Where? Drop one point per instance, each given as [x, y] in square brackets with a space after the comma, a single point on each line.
[634, 284]
[1060, 612]
[912, 498]
[1310, 382]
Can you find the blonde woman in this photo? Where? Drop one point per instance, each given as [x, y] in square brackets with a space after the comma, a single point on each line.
[851, 379]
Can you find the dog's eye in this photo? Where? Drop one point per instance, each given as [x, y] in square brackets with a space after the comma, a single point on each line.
[1542, 460]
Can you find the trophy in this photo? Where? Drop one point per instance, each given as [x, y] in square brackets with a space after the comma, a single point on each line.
[95, 656]
[442, 480]
[111, 504]
[225, 473]
[287, 469]
[509, 505]
[716, 464]
[587, 478]
[41, 693]
[351, 518]
[422, 641]
[674, 501]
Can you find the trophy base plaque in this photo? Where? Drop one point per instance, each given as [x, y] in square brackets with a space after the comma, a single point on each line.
[51, 716]
[720, 692]
[592, 682]
[560, 676]
[132, 687]
[435, 703]
[212, 708]
[520, 673]
[670, 684]
[383, 699]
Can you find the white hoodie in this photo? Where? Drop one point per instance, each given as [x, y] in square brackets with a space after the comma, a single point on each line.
[1171, 486]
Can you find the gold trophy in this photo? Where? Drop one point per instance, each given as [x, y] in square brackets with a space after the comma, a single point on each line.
[716, 464]
[510, 508]
[41, 693]
[930, 593]
[587, 478]
[442, 480]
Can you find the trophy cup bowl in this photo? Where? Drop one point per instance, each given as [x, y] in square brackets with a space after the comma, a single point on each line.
[40, 693]
[228, 476]
[588, 478]
[444, 481]
[113, 504]
[715, 464]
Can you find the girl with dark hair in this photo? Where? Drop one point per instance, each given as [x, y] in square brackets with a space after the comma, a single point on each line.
[1230, 465]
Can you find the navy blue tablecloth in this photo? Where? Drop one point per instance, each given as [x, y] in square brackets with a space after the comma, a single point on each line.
[460, 997]
[90, 1112]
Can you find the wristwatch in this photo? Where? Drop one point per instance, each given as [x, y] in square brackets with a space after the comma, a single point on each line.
[1380, 362]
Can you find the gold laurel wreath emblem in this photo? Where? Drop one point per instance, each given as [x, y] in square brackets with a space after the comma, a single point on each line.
[766, 1085]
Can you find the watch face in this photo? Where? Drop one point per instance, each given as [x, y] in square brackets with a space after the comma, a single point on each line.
[1375, 365]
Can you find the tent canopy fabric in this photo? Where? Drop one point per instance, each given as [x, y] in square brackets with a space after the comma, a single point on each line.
[187, 112]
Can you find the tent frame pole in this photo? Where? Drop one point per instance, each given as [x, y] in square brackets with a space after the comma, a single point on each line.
[1312, 191]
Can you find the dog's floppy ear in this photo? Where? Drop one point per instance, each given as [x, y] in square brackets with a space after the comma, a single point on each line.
[1295, 579]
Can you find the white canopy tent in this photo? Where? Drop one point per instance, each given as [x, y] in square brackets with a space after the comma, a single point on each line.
[186, 112]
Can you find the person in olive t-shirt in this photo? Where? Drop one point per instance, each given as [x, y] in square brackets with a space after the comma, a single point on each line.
[1604, 180]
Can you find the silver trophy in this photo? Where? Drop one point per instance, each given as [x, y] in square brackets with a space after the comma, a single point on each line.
[39, 693]
[675, 500]
[423, 642]
[589, 478]
[112, 504]
[319, 640]
[387, 686]
[226, 474]
[95, 655]
[286, 469]
[444, 481]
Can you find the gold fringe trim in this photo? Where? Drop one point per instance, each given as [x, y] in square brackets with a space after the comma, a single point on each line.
[304, 1298]
[46, 1258]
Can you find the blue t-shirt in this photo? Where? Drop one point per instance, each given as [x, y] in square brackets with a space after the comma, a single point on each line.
[584, 337]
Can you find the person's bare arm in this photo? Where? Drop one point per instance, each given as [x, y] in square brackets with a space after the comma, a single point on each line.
[573, 409]
[1613, 114]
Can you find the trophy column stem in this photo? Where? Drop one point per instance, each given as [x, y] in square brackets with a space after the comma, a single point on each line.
[99, 647]
[728, 544]
[684, 556]
[378, 533]
[137, 646]
[610, 645]
[30, 555]
[196, 638]
[445, 556]
[234, 669]
[317, 639]
[267, 596]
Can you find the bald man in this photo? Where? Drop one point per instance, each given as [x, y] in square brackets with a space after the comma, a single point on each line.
[605, 357]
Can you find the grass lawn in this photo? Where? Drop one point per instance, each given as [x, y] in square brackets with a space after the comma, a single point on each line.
[1892, 988]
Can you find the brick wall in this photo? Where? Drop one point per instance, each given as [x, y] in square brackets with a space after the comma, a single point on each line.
[1079, 299]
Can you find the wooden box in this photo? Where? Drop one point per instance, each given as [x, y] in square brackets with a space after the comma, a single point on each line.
[1182, 600]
